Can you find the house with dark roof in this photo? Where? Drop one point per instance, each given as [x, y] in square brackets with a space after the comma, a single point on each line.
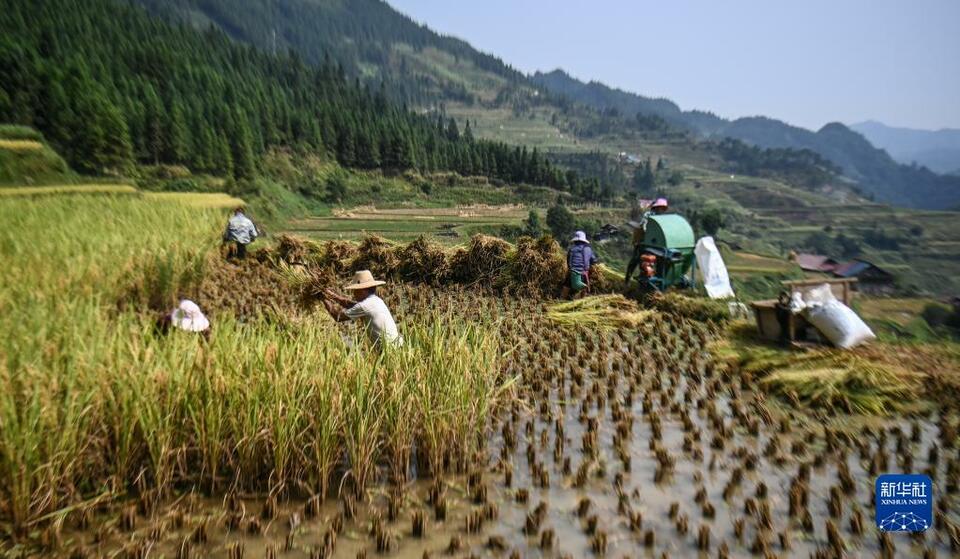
[870, 277]
[815, 263]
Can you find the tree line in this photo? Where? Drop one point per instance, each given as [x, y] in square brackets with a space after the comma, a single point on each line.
[110, 86]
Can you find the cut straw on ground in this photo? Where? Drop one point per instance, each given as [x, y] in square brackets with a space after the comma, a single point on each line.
[599, 311]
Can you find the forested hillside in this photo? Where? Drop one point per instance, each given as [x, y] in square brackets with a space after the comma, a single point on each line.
[109, 86]
[359, 34]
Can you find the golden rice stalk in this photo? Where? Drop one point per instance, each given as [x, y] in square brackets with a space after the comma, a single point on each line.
[598, 311]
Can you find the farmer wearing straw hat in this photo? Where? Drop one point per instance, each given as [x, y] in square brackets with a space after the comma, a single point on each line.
[659, 206]
[365, 306]
[580, 260]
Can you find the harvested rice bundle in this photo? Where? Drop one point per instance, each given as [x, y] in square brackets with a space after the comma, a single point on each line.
[606, 280]
[696, 308]
[599, 311]
[482, 261]
[294, 250]
[849, 383]
[246, 290]
[308, 283]
[337, 256]
[536, 266]
[378, 255]
[423, 262]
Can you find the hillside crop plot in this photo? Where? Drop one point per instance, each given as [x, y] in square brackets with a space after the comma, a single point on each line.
[449, 225]
[56, 190]
[495, 431]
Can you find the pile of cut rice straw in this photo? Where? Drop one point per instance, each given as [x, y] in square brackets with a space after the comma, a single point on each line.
[599, 311]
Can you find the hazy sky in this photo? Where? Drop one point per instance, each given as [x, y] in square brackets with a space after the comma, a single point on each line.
[808, 62]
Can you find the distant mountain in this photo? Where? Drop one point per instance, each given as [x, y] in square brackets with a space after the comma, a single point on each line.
[877, 174]
[938, 150]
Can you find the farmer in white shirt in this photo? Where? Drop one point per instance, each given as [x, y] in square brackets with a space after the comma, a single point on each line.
[365, 306]
[240, 231]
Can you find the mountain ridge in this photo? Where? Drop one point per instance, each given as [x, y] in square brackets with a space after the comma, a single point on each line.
[938, 150]
[873, 168]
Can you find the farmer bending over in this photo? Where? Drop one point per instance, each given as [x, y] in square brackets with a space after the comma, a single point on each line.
[365, 306]
[580, 261]
[240, 231]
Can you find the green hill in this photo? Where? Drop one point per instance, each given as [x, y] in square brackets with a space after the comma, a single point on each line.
[368, 38]
[26, 159]
[111, 87]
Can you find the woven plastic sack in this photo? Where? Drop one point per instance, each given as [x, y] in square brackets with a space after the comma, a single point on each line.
[716, 280]
[839, 324]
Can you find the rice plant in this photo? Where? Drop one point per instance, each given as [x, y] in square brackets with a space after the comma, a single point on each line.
[94, 401]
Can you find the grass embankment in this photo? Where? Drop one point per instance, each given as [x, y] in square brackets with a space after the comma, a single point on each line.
[95, 403]
[26, 159]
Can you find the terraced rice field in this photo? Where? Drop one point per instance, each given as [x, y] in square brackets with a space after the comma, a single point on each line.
[629, 442]
[57, 190]
[447, 225]
[497, 430]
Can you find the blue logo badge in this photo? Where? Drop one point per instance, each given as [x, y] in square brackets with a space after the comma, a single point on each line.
[904, 502]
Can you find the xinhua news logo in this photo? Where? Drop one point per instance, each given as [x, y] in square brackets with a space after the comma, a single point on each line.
[904, 502]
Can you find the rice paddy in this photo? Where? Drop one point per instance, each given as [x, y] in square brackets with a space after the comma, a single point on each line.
[494, 431]
[20, 145]
[57, 190]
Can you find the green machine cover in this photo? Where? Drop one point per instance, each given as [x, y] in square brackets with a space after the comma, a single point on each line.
[671, 232]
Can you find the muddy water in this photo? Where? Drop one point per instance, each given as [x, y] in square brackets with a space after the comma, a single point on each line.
[703, 468]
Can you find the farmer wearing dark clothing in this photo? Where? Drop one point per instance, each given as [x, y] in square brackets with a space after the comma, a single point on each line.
[240, 231]
[580, 261]
[659, 206]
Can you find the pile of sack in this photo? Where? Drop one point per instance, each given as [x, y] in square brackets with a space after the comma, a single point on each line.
[835, 320]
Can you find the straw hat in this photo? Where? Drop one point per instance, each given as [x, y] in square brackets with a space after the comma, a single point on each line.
[188, 316]
[580, 236]
[362, 280]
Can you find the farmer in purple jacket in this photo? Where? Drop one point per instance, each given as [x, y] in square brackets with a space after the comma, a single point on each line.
[580, 261]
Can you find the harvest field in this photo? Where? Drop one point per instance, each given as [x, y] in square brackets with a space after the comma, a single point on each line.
[448, 225]
[507, 425]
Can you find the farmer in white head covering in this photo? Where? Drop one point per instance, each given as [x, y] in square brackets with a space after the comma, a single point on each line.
[580, 261]
[366, 306]
[188, 317]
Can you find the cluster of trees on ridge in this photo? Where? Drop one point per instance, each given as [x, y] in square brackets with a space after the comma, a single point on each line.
[109, 85]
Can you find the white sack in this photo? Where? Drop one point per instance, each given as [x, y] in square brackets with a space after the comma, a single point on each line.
[839, 324]
[819, 295]
[712, 269]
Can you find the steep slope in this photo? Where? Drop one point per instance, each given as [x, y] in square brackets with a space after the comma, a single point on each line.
[111, 86]
[876, 172]
[601, 96]
[367, 37]
[938, 150]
